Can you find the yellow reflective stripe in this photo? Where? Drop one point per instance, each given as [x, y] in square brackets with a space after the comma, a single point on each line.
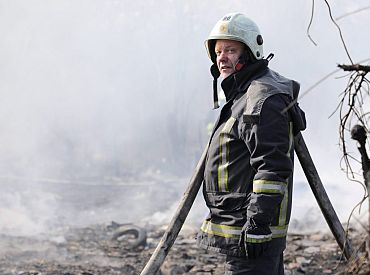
[226, 171]
[235, 231]
[279, 231]
[224, 163]
[290, 138]
[258, 238]
[268, 186]
[224, 143]
[284, 209]
[221, 230]
[284, 203]
[276, 232]
[229, 125]
[220, 168]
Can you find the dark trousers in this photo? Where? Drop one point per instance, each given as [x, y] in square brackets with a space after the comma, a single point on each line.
[267, 265]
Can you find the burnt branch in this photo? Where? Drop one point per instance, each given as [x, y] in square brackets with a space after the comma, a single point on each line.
[339, 30]
[350, 109]
[309, 24]
[355, 67]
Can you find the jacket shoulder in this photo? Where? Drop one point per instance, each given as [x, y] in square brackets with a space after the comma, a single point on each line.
[266, 86]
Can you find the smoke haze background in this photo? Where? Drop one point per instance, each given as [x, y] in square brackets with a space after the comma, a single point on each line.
[105, 104]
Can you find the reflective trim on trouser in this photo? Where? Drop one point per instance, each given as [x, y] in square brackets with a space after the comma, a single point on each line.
[235, 231]
[269, 186]
[265, 265]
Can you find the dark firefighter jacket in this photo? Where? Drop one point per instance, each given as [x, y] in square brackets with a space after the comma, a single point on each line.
[249, 167]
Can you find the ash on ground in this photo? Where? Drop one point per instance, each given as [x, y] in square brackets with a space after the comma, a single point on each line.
[125, 249]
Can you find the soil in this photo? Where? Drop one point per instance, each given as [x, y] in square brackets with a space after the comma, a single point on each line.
[124, 249]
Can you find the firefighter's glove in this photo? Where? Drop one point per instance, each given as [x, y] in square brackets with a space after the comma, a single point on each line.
[255, 239]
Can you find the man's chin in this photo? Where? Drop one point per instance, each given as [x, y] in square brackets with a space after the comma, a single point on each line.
[224, 75]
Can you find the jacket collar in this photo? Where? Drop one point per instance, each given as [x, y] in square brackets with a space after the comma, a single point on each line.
[239, 81]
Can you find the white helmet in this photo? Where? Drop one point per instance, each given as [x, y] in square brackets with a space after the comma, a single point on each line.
[236, 26]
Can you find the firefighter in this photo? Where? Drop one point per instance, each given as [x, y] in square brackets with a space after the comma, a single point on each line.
[249, 168]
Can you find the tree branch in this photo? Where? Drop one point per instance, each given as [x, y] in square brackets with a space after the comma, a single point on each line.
[355, 67]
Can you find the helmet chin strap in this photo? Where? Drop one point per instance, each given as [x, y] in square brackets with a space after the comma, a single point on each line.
[215, 73]
[270, 56]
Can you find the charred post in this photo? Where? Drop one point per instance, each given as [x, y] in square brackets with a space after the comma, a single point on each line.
[358, 133]
[321, 196]
[355, 67]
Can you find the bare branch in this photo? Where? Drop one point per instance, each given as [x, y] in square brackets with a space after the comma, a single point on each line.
[355, 67]
[309, 24]
[340, 31]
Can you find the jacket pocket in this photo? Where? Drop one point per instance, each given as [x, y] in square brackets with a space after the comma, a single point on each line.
[229, 207]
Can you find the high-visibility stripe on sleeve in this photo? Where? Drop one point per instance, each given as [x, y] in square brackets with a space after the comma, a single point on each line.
[268, 186]
[291, 138]
[221, 230]
[279, 231]
[251, 238]
[228, 231]
[276, 232]
[284, 209]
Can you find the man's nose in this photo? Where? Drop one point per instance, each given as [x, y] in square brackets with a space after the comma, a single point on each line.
[223, 56]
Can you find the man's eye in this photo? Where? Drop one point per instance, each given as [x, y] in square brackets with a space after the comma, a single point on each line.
[218, 53]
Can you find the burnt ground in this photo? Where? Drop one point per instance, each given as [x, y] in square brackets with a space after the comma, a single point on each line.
[116, 249]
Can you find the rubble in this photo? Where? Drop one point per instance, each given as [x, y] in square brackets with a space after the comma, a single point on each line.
[125, 249]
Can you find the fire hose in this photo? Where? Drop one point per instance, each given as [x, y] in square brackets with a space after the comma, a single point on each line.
[191, 192]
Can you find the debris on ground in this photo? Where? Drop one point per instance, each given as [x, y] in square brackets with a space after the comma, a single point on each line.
[125, 249]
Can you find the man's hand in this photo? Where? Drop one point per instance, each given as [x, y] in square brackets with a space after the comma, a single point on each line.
[255, 239]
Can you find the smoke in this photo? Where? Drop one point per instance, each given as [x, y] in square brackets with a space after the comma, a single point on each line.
[25, 213]
[105, 104]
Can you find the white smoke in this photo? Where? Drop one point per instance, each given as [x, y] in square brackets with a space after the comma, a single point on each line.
[101, 98]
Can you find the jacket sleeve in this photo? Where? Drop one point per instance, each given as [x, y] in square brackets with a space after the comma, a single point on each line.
[270, 142]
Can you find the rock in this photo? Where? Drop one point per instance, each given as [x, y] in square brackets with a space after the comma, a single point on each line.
[302, 260]
[317, 237]
[128, 269]
[293, 265]
[312, 250]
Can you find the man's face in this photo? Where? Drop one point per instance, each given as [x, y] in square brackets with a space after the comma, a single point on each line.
[227, 56]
